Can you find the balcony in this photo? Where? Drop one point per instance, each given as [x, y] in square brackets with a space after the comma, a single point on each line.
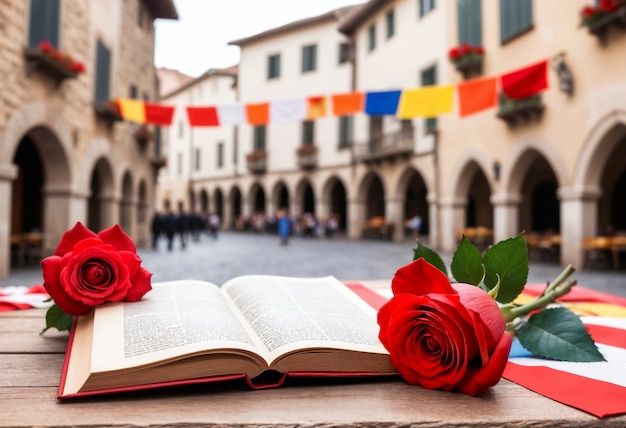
[37, 59]
[257, 161]
[470, 66]
[307, 156]
[599, 27]
[108, 111]
[525, 110]
[142, 135]
[386, 147]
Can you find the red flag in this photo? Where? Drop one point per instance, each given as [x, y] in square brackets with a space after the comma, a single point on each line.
[157, 114]
[526, 81]
[202, 116]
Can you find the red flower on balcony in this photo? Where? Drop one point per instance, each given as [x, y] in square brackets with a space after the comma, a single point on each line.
[62, 58]
[591, 14]
[466, 52]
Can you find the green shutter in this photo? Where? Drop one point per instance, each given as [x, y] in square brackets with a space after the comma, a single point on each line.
[44, 22]
[469, 14]
[515, 18]
[103, 70]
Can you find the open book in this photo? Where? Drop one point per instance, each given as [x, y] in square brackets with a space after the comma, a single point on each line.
[260, 328]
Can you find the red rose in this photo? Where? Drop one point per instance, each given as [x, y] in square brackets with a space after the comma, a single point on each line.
[89, 269]
[443, 336]
[465, 49]
[453, 53]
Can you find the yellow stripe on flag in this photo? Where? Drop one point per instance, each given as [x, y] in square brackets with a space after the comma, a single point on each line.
[132, 110]
[429, 101]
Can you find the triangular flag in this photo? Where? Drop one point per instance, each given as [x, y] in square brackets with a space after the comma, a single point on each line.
[317, 107]
[202, 116]
[428, 101]
[383, 102]
[258, 114]
[526, 82]
[132, 110]
[289, 110]
[157, 114]
[231, 114]
[477, 95]
[349, 103]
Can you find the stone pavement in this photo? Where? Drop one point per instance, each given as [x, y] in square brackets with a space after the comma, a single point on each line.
[234, 254]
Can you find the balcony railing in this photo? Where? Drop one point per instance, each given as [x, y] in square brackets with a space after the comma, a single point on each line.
[307, 156]
[616, 18]
[386, 146]
[257, 161]
[514, 112]
[36, 59]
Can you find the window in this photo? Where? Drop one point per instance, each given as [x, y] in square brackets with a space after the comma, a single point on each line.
[429, 77]
[308, 132]
[371, 36]
[273, 66]
[309, 58]
[426, 6]
[133, 91]
[197, 158]
[179, 164]
[391, 25]
[103, 72]
[44, 22]
[345, 131]
[470, 22]
[259, 138]
[515, 18]
[345, 52]
[181, 129]
[220, 155]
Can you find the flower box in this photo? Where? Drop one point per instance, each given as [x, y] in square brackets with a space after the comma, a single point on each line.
[52, 62]
[606, 14]
[468, 60]
[142, 135]
[520, 111]
[257, 161]
[107, 110]
[307, 156]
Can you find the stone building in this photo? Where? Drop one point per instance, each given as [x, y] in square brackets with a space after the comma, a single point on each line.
[552, 166]
[65, 154]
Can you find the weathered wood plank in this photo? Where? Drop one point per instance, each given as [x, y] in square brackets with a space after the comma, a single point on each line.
[28, 370]
[355, 404]
[20, 335]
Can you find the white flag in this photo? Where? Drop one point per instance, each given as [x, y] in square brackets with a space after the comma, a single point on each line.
[231, 114]
[289, 110]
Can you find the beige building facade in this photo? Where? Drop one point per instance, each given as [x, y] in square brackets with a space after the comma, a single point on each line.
[551, 166]
[65, 154]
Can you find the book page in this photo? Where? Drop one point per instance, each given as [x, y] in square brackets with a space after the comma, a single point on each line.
[175, 318]
[293, 313]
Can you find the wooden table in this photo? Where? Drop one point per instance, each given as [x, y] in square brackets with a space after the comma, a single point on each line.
[32, 365]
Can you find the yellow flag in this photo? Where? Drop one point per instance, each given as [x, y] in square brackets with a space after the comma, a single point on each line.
[428, 101]
[132, 110]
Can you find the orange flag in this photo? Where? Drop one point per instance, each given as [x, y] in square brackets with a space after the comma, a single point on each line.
[477, 95]
[316, 107]
[348, 103]
[258, 114]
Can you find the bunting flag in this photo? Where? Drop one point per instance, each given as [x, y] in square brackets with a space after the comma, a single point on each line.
[258, 114]
[231, 114]
[16, 297]
[316, 107]
[158, 114]
[382, 103]
[428, 101]
[349, 103]
[525, 82]
[202, 116]
[477, 95]
[132, 110]
[290, 110]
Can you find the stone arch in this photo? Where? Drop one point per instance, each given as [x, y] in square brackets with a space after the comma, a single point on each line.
[102, 196]
[126, 203]
[335, 197]
[280, 196]
[204, 201]
[305, 198]
[236, 208]
[412, 190]
[257, 200]
[371, 194]
[218, 202]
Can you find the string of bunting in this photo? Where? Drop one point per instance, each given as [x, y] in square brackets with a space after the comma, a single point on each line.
[473, 96]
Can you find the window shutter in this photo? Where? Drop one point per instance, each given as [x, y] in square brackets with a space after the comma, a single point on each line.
[44, 22]
[103, 70]
[515, 17]
[469, 15]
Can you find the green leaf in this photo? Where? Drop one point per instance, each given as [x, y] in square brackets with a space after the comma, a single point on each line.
[509, 260]
[430, 256]
[56, 318]
[559, 334]
[467, 263]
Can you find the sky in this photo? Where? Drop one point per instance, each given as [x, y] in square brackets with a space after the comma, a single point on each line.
[198, 40]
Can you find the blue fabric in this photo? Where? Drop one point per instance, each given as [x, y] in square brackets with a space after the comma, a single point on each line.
[381, 103]
[517, 350]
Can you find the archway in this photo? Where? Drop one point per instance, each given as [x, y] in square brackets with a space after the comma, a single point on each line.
[257, 197]
[101, 195]
[612, 203]
[373, 194]
[27, 203]
[307, 198]
[479, 211]
[281, 196]
[218, 203]
[415, 202]
[235, 207]
[204, 201]
[539, 211]
[338, 203]
[126, 203]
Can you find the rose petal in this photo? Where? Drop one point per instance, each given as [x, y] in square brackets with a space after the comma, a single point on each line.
[140, 285]
[71, 237]
[51, 267]
[420, 277]
[479, 379]
[116, 236]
